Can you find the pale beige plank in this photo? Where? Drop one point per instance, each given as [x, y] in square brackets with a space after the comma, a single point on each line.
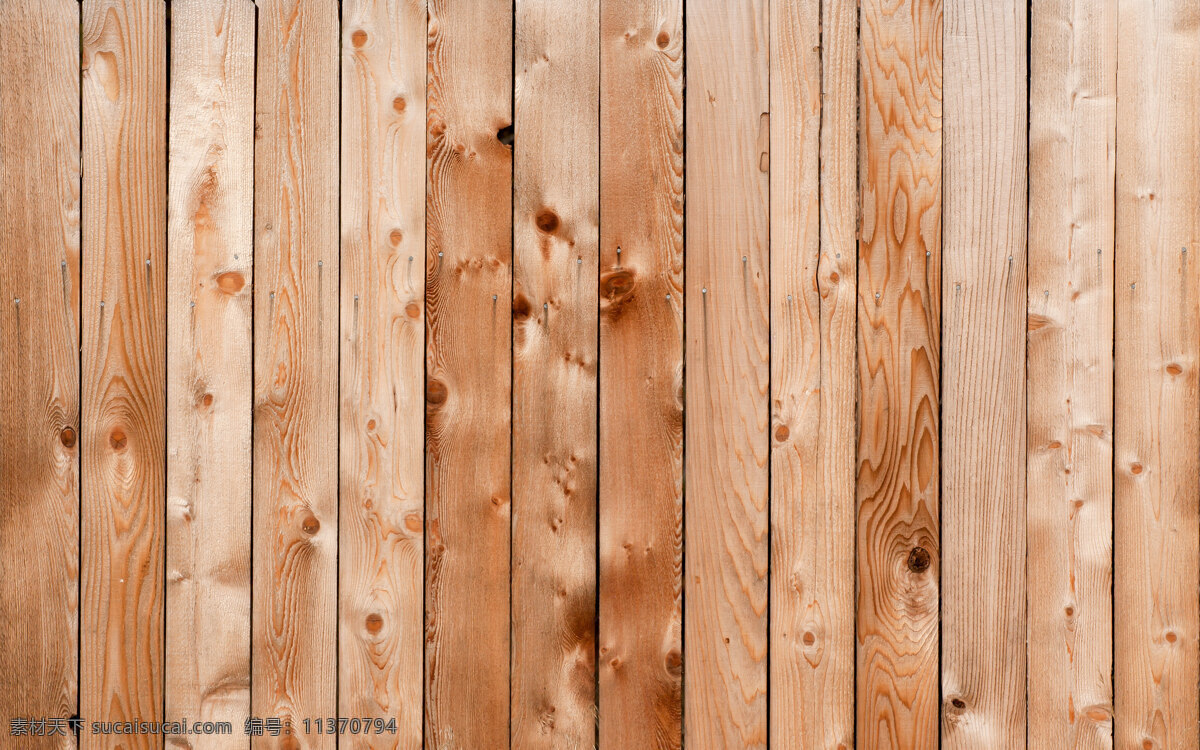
[1072, 149]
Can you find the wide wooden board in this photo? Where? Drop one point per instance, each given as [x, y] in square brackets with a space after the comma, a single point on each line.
[554, 303]
[1156, 469]
[641, 374]
[983, 375]
[39, 364]
[728, 374]
[382, 509]
[295, 531]
[123, 432]
[813, 371]
[468, 358]
[1072, 159]
[209, 388]
[899, 318]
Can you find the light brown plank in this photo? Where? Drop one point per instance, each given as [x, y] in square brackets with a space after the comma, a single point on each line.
[295, 368]
[383, 366]
[1072, 145]
[210, 240]
[641, 377]
[468, 374]
[39, 364]
[1157, 409]
[123, 436]
[899, 273]
[813, 269]
[728, 373]
[983, 376]
[554, 303]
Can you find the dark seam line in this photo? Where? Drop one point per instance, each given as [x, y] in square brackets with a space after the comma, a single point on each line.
[253, 337]
[770, 382]
[599, 365]
[337, 506]
[1025, 335]
[166, 193]
[683, 16]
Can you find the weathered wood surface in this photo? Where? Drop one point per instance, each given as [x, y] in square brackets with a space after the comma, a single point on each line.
[983, 375]
[727, 374]
[469, 304]
[123, 429]
[382, 509]
[1072, 160]
[209, 388]
[555, 361]
[641, 378]
[899, 364]
[1156, 436]
[295, 368]
[813, 213]
[39, 363]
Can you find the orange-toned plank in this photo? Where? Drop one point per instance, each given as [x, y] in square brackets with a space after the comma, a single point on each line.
[813, 269]
[209, 364]
[641, 377]
[555, 227]
[468, 376]
[728, 132]
[383, 365]
[899, 554]
[1072, 148]
[39, 364]
[983, 375]
[295, 369]
[123, 435]
[1156, 509]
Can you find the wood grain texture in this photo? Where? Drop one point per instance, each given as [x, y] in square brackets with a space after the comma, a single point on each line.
[295, 368]
[381, 518]
[209, 389]
[899, 320]
[641, 374]
[1157, 409]
[39, 364]
[813, 224]
[554, 302]
[1072, 160]
[983, 388]
[468, 374]
[727, 374]
[123, 434]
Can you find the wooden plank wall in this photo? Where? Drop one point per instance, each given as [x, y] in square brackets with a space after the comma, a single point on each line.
[614, 373]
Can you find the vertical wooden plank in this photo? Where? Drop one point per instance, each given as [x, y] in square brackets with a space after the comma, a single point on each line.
[641, 377]
[39, 369]
[468, 373]
[728, 161]
[813, 225]
[899, 320]
[295, 368]
[983, 396]
[381, 541]
[1072, 144]
[1157, 422]
[554, 303]
[210, 211]
[124, 364]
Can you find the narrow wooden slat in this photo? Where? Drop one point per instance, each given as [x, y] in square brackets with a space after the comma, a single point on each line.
[209, 362]
[295, 368]
[1157, 409]
[899, 273]
[39, 363]
[727, 367]
[813, 224]
[1072, 143]
[123, 434]
[641, 377]
[983, 376]
[468, 374]
[381, 518]
[554, 303]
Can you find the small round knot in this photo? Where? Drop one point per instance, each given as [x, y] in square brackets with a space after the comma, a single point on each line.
[310, 524]
[918, 560]
[67, 437]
